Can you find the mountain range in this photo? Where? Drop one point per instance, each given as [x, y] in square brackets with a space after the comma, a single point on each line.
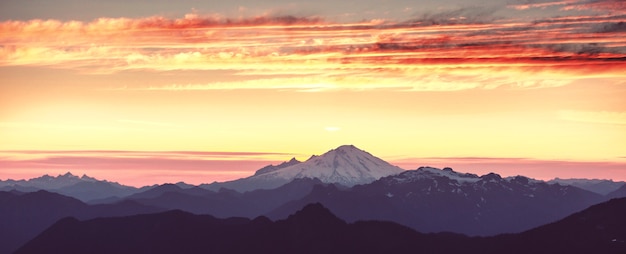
[436, 200]
[314, 229]
[600, 186]
[24, 215]
[346, 166]
[353, 184]
[84, 188]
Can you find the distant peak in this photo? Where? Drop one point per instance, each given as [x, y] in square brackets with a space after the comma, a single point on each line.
[167, 187]
[312, 157]
[315, 207]
[68, 175]
[315, 213]
[87, 178]
[346, 147]
[491, 177]
[428, 169]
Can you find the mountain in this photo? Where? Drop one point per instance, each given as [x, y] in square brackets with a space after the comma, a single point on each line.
[272, 168]
[225, 202]
[619, 193]
[345, 165]
[600, 186]
[598, 229]
[87, 191]
[437, 200]
[314, 229]
[159, 190]
[24, 215]
[47, 182]
[84, 188]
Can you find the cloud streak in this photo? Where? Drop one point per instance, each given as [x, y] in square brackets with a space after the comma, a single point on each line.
[388, 53]
[138, 167]
[602, 117]
[224, 155]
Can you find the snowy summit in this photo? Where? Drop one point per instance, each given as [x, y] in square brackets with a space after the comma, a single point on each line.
[345, 165]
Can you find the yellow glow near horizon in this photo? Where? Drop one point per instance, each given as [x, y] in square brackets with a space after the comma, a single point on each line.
[301, 86]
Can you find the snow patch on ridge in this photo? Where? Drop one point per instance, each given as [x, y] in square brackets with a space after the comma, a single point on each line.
[432, 173]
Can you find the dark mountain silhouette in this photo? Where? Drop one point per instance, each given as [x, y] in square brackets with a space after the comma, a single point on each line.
[598, 229]
[24, 215]
[86, 191]
[314, 229]
[434, 200]
[165, 188]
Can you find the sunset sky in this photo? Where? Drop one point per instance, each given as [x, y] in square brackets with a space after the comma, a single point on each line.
[154, 91]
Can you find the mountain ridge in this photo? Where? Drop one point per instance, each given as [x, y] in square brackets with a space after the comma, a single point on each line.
[24, 215]
[315, 229]
[84, 188]
[434, 200]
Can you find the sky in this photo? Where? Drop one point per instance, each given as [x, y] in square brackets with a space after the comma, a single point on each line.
[155, 91]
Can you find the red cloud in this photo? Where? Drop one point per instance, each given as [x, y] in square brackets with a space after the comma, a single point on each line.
[570, 44]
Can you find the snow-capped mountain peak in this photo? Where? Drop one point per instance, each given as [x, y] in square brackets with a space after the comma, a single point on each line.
[346, 165]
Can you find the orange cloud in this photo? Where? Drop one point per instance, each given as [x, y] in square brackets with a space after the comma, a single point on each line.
[586, 46]
[542, 5]
[614, 6]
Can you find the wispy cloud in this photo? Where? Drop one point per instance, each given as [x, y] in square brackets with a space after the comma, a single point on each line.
[223, 155]
[613, 6]
[602, 117]
[149, 123]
